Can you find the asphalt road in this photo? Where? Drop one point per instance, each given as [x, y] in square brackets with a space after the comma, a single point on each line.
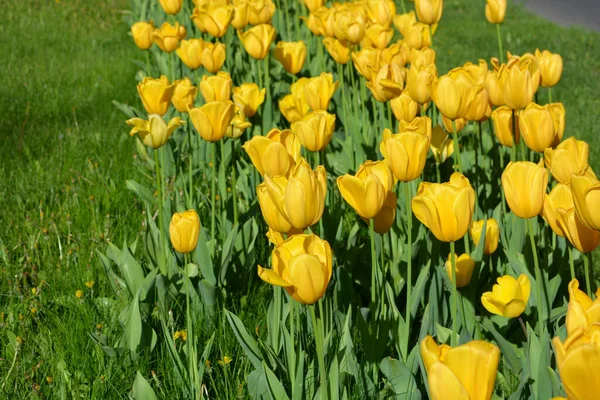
[567, 12]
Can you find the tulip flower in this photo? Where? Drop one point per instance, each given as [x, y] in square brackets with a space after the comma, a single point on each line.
[518, 86]
[381, 11]
[551, 67]
[315, 130]
[293, 108]
[383, 221]
[184, 95]
[257, 40]
[417, 82]
[184, 230]
[492, 234]
[260, 12]
[582, 312]
[442, 145]
[586, 195]
[387, 83]
[459, 124]
[216, 87]
[271, 213]
[502, 117]
[581, 237]
[349, 25]
[570, 157]
[213, 18]
[156, 94]
[154, 132]
[421, 57]
[559, 197]
[464, 372]
[464, 269]
[212, 119]
[403, 22]
[213, 56]
[528, 62]
[302, 265]
[537, 127]
[577, 360]
[274, 154]
[557, 110]
[275, 237]
[406, 154]
[167, 37]
[319, 90]
[190, 52]
[338, 50]
[314, 21]
[445, 208]
[404, 107]
[313, 5]
[508, 297]
[420, 125]
[418, 35]
[377, 36]
[142, 34]
[524, 184]
[171, 6]
[429, 11]
[291, 55]
[238, 124]
[494, 85]
[249, 97]
[454, 92]
[241, 14]
[495, 11]
[366, 62]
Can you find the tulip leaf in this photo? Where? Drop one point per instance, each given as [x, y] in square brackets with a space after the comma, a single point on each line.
[507, 348]
[419, 289]
[133, 324]
[334, 376]
[399, 379]
[143, 193]
[227, 253]
[275, 387]
[477, 255]
[257, 384]
[247, 342]
[299, 383]
[142, 389]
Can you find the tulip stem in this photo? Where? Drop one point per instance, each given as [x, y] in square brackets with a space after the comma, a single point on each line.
[341, 79]
[456, 153]
[148, 73]
[408, 271]
[453, 341]
[213, 190]
[538, 277]
[191, 165]
[588, 278]
[500, 43]
[549, 95]
[571, 263]
[373, 263]
[192, 358]
[318, 333]
[403, 6]
[162, 264]
[234, 183]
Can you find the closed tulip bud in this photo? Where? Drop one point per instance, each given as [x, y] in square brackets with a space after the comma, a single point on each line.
[404, 107]
[418, 80]
[403, 22]
[551, 67]
[213, 119]
[586, 195]
[313, 5]
[492, 234]
[171, 6]
[459, 124]
[570, 157]
[442, 145]
[581, 237]
[261, 12]
[167, 37]
[557, 110]
[293, 108]
[213, 56]
[524, 184]
[349, 25]
[271, 213]
[366, 62]
[421, 125]
[213, 18]
[216, 87]
[184, 95]
[559, 197]
[156, 94]
[249, 97]
[154, 132]
[238, 124]
[319, 90]
[480, 108]
[338, 50]
[582, 311]
[494, 85]
[315, 130]
[378, 36]
[406, 154]
[383, 221]
[508, 297]
[429, 11]
[465, 372]
[257, 40]
[445, 208]
[464, 269]
[495, 11]
[241, 14]
[396, 53]
[421, 57]
[142, 34]
[387, 83]
[529, 62]
[454, 92]
[291, 55]
[537, 127]
[190, 52]
[274, 154]
[418, 36]
[184, 230]
[302, 265]
[503, 126]
[368, 190]
[314, 23]
[518, 86]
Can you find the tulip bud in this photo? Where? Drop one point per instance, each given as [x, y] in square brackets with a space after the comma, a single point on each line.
[586, 195]
[315, 130]
[508, 297]
[383, 221]
[249, 97]
[257, 40]
[213, 18]
[418, 82]
[313, 5]
[378, 36]
[142, 34]
[464, 269]
[445, 208]
[429, 11]
[319, 90]
[422, 57]
[154, 132]
[495, 11]
[404, 107]
[171, 6]
[581, 237]
[387, 83]
[213, 56]
[275, 237]
[184, 95]
[492, 234]
[338, 50]
[156, 94]
[557, 110]
[213, 119]
[302, 265]
[167, 37]
[271, 214]
[349, 25]
[454, 92]
[291, 55]
[216, 87]
[570, 157]
[403, 22]
[190, 52]
[418, 35]
[421, 125]
[442, 145]
[184, 230]
[459, 124]
[406, 154]
[502, 117]
[381, 11]
[518, 86]
[524, 184]
[397, 53]
[494, 85]
[551, 67]
[559, 197]
[480, 108]
[366, 62]
[260, 12]
[241, 14]
[537, 127]
[274, 154]
[582, 312]
[238, 124]
[293, 108]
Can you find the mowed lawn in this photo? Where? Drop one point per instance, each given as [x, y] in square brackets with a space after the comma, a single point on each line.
[66, 154]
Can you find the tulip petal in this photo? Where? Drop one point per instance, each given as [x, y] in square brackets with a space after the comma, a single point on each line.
[443, 384]
[491, 304]
[271, 277]
[353, 191]
[309, 277]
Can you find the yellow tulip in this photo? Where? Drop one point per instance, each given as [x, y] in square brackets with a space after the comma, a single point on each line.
[422, 57]
[465, 372]
[403, 22]
[442, 145]
[291, 55]
[480, 108]
[274, 154]
[184, 95]
[445, 208]
[582, 312]
[171, 6]
[241, 14]
[378, 36]
[156, 94]
[396, 53]
[212, 119]
[577, 360]
[167, 37]
[154, 132]
[349, 25]
[528, 62]
[299, 197]
[313, 5]
[557, 110]
[257, 40]
[508, 297]
[387, 83]
[216, 87]
[418, 35]
[406, 154]
[495, 11]
[502, 118]
[524, 184]
[368, 190]
[184, 230]
[314, 22]
[293, 108]
[271, 213]
[275, 237]
[319, 90]
[459, 124]
[581, 237]
[404, 107]
[338, 50]
[213, 19]
[249, 97]
[586, 195]
[454, 92]
[383, 221]
[381, 11]
[302, 266]
[142, 34]
[518, 86]
[315, 130]
[213, 56]
[238, 124]
[551, 67]
[559, 197]
[494, 85]
[260, 12]
[297, 88]
[538, 127]
[420, 125]
[366, 62]
[464, 269]
[417, 82]
[190, 52]
[492, 234]
[429, 11]
[570, 157]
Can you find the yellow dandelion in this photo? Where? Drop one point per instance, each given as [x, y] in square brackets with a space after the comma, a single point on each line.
[89, 284]
[207, 363]
[49, 379]
[99, 327]
[79, 293]
[33, 310]
[34, 291]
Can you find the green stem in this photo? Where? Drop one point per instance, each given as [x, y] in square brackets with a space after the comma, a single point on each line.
[234, 182]
[457, 166]
[192, 362]
[191, 166]
[403, 6]
[571, 262]
[341, 80]
[159, 182]
[500, 43]
[171, 68]
[213, 190]
[538, 278]
[549, 95]
[373, 264]
[408, 270]
[319, 347]
[292, 367]
[588, 275]
[437, 173]
[148, 71]
[513, 154]
[389, 115]
[454, 310]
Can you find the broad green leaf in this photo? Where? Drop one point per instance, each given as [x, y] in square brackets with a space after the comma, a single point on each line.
[142, 389]
[247, 342]
[275, 387]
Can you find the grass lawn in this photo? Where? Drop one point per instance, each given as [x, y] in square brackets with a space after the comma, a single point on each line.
[66, 155]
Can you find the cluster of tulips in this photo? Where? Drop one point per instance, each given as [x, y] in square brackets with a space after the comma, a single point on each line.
[431, 112]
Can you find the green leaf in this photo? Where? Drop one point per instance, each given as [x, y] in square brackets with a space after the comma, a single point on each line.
[145, 194]
[477, 255]
[227, 252]
[334, 375]
[247, 342]
[203, 260]
[142, 389]
[275, 387]
[507, 348]
[399, 379]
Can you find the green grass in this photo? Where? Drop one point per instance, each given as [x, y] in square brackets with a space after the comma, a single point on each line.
[66, 155]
